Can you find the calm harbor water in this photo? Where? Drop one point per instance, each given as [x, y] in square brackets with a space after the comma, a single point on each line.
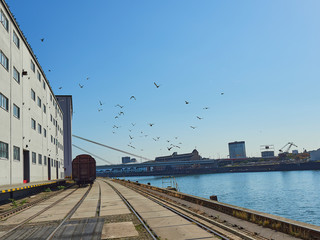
[294, 194]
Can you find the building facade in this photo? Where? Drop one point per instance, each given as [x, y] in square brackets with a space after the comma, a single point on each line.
[31, 129]
[65, 102]
[237, 150]
[194, 155]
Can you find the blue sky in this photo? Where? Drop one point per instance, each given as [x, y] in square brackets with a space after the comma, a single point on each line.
[263, 55]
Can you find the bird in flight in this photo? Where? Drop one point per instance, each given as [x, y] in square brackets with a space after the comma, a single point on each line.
[169, 148]
[186, 102]
[100, 109]
[118, 105]
[49, 70]
[222, 93]
[113, 132]
[116, 117]
[121, 113]
[199, 117]
[133, 124]
[206, 108]
[100, 103]
[154, 139]
[60, 87]
[42, 39]
[87, 78]
[193, 127]
[157, 86]
[114, 126]
[130, 137]
[81, 86]
[133, 97]
[151, 124]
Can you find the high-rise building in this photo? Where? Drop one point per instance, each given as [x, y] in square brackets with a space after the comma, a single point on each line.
[237, 149]
[31, 119]
[65, 102]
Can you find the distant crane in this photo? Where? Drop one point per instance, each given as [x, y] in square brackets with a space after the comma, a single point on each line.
[289, 144]
[283, 153]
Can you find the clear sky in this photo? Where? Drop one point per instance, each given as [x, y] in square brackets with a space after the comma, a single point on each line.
[264, 56]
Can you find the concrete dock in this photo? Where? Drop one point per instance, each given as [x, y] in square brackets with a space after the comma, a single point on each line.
[104, 215]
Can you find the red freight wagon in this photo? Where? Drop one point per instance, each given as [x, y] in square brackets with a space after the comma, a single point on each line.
[84, 169]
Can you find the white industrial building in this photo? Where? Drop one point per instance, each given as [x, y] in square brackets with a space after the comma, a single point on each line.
[31, 120]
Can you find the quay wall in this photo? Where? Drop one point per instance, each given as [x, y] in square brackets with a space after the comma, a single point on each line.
[288, 226]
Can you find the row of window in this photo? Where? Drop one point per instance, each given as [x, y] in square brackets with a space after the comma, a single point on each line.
[5, 24]
[4, 103]
[33, 126]
[4, 151]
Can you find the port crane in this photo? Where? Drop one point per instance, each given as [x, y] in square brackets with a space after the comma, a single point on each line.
[288, 145]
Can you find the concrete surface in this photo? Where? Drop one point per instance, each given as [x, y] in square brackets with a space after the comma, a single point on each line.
[88, 207]
[22, 216]
[111, 203]
[60, 210]
[166, 224]
[119, 230]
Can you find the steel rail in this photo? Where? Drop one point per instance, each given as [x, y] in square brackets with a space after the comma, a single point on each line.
[149, 230]
[99, 202]
[220, 225]
[71, 212]
[7, 234]
[185, 216]
[26, 206]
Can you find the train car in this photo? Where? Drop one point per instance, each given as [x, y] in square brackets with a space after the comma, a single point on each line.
[84, 169]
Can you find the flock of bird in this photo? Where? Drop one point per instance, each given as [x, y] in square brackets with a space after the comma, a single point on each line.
[171, 144]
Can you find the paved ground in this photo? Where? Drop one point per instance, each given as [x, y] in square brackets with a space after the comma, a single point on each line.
[88, 208]
[166, 224]
[116, 221]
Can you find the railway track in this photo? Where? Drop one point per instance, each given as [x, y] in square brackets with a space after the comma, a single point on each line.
[148, 229]
[17, 210]
[17, 230]
[215, 227]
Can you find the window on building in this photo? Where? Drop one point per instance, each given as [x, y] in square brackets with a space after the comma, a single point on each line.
[44, 160]
[16, 40]
[33, 67]
[16, 111]
[51, 117]
[4, 152]
[33, 124]
[51, 97]
[44, 108]
[4, 102]
[39, 76]
[33, 95]
[39, 102]
[16, 75]
[39, 128]
[44, 84]
[40, 159]
[44, 132]
[34, 157]
[4, 20]
[51, 138]
[4, 60]
[16, 153]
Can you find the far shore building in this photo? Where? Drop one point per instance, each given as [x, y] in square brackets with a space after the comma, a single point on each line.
[237, 149]
[194, 155]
